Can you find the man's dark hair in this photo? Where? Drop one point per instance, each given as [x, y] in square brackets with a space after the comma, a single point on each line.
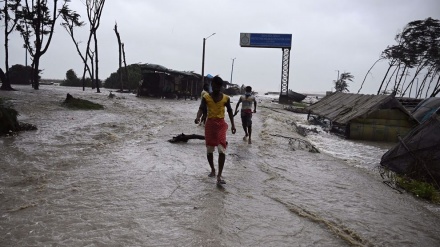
[217, 80]
[248, 88]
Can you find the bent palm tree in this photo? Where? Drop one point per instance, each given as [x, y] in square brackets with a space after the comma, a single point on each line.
[341, 84]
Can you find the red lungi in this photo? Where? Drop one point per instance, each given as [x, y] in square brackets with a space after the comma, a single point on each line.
[215, 132]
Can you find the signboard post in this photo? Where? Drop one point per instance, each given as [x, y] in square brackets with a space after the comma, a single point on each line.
[265, 40]
[272, 40]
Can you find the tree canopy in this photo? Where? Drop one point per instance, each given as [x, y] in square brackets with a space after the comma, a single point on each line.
[36, 23]
[20, 74]
[72, 80]
[414, 62]
[132, 81]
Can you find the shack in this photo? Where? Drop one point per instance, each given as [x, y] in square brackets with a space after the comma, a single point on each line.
[364, 117]
[159, 81]
[417, 155]
[426, 108]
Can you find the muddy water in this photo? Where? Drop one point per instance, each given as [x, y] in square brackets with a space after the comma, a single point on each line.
[110, 178]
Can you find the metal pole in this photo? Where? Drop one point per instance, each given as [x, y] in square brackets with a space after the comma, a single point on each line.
[203, 58]
[203, 62]
[232, 70]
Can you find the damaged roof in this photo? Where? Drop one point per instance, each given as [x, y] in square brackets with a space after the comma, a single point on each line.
[159, 68]
[342, 107]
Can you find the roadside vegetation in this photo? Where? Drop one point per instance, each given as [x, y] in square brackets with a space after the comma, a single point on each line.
[81, 104]
[9, 125]
[419, 189]
[8, 118]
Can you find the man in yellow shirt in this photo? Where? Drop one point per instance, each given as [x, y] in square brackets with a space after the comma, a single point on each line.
[216, 126]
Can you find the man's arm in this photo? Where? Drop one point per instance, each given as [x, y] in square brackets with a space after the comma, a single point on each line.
[200, 111]
[231, 116]
[255, 105]
[236, 107]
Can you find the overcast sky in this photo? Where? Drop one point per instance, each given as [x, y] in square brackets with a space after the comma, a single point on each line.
[327, 36]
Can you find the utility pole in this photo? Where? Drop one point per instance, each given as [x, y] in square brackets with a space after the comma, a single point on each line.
[203, 58]
[232, 70]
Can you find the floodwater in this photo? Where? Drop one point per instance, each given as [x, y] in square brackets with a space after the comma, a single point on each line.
[111, 178]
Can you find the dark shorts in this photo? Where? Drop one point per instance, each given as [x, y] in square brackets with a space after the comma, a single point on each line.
[246, 119]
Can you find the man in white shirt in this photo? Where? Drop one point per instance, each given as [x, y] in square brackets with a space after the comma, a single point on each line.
[246, 112]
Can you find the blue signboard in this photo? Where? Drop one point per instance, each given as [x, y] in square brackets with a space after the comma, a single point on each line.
[266, 40]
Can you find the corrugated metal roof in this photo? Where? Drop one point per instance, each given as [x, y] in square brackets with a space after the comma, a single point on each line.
[343, 107]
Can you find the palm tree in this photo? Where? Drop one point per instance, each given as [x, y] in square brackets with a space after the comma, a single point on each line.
[341, 84]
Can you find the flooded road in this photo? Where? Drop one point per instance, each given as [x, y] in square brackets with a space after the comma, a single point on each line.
[111, 178]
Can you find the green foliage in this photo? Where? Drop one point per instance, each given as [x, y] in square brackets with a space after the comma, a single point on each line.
[130, 81]
[341, 84]
[20, 74]
[36, 23]
[420, 189]
[72, 80]
[8, 118]
[71, 19]
[71, 76]
[416, 54]
[34, 18]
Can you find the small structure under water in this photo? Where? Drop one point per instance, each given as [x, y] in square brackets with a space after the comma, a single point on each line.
[417, 155]
[364, 117]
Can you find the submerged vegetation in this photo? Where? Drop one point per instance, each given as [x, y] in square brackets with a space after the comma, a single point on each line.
[417, 187]
[8, 120]
[75, 103]
[420, 189]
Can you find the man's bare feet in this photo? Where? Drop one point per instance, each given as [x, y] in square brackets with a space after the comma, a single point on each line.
[249, 142]
[212, 174]
[220, 180]
[245, 137]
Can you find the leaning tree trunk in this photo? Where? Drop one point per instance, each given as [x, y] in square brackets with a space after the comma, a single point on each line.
[96, 61]
[367, 74]
[125, 67]
[384, 78]
[120, 58]
[402, 75]
[430, 82]
[436, 89]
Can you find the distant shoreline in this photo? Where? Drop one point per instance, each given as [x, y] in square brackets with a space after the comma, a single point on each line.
[308, 94]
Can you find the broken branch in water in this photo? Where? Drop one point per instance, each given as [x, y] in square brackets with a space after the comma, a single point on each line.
[298, 142]
[184, 138]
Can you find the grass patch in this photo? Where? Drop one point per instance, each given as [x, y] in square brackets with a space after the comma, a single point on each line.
[420, 189]
[75, 103]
